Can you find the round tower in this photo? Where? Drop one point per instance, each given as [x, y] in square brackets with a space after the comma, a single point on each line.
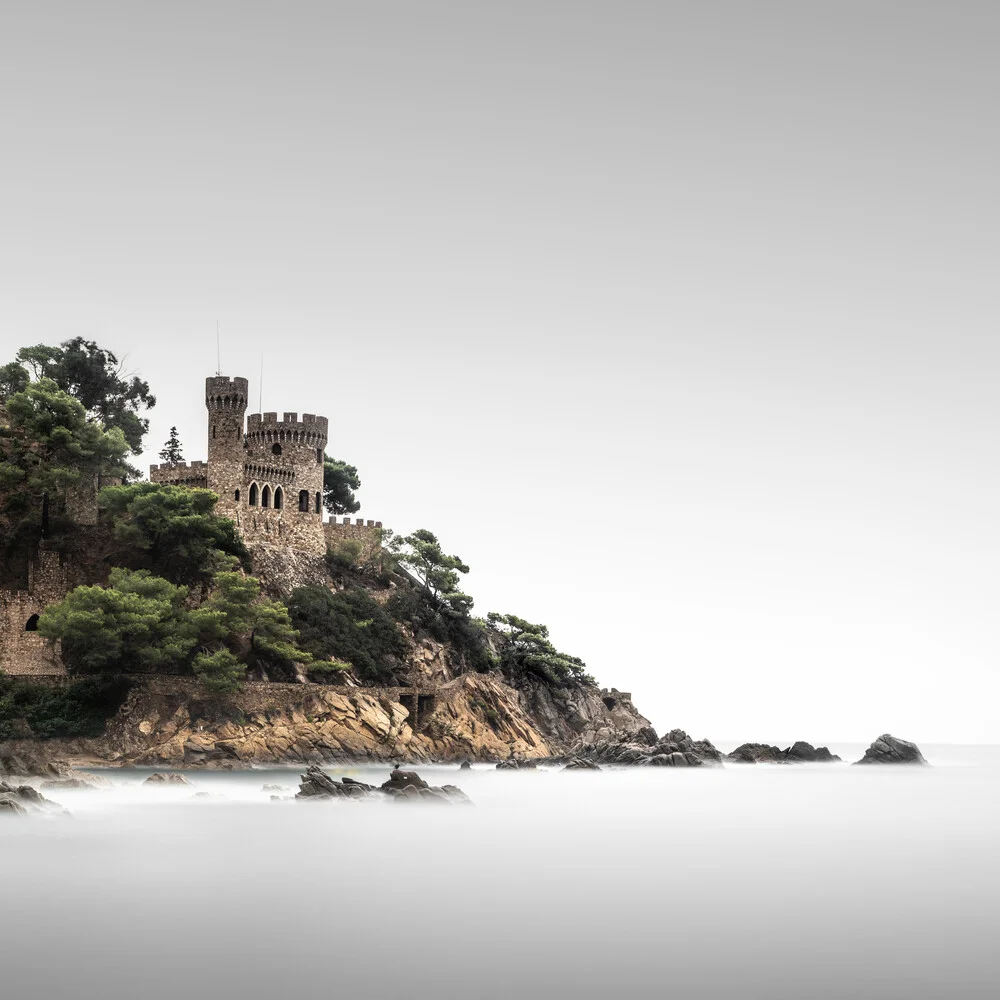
[226, 400]
[284, 474]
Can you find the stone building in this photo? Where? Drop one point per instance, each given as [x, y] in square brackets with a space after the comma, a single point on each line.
[268, 473]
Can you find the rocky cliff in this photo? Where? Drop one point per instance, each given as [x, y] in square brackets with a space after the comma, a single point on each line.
[169, 721]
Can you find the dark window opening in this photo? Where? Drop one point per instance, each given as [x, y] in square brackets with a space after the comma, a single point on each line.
[304, 501]
[319, 456]
[253, 494]
[236, 496]
[319, 503]
[275, 449]
[32, 624]
[213, 430]
[279, 498]
[265, 497]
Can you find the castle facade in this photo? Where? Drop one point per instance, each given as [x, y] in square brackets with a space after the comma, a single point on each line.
[267, 473]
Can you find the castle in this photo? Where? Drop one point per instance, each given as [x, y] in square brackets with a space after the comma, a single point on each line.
[268, 475]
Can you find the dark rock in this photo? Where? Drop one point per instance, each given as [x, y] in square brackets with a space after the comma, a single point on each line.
[890, 750]
[515, 764]
[16, 800]
[402, 779]
[824, 756]
[166, 779]
[755, 753]
[466, 765]
[582, 764]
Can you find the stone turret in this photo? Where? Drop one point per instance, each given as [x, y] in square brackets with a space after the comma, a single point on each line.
[226, 401]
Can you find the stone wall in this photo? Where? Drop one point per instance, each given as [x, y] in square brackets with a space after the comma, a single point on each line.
[22, 650]
[368, 533]
[193, 474]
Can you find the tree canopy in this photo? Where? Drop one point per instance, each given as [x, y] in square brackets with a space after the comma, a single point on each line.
[141, 622]
[348, 626]
[525, 648]
[93, 376]
[436, 572]
[171, 530]
[137, 623]
[340, 480]
[171, 451]
[50, 445]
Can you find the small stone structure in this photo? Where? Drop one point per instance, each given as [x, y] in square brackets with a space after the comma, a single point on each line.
[22, 648]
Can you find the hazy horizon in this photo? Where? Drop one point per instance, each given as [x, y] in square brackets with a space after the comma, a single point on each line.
[676, 321]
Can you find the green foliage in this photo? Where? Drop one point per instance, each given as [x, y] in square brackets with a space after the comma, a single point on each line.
[172, 530]
[348, 626]
[142, 622]
[51, 446]
[13, 378]
[340, 480]
[257, 630]
[137, 623]
[435, 572]
[221, 672]
[525, 648]
[95, 378]
[79, 709]
[172, 449]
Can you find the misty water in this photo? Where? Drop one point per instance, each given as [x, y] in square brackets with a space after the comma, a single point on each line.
[749, 881]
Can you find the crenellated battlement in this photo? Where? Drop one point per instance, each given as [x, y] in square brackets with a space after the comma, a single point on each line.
[358, 522]
[223, 393]
[198, 468]
[266, 428]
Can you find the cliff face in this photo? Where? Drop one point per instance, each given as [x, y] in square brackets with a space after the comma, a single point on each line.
[168, 721]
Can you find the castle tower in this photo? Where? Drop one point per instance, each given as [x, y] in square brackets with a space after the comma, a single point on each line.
[226, 400]
[284, 476]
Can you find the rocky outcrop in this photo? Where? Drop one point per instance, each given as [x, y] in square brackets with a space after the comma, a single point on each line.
[645, 749]
[19, 800]
[405, 786]
[581, 764]
[166, 779]
[891, 750]
[799, 752]
[170, 722]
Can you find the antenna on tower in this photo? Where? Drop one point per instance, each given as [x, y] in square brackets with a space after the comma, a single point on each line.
[218, 350]
[260, 385]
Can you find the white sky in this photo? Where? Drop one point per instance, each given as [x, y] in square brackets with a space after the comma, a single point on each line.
[677, 321]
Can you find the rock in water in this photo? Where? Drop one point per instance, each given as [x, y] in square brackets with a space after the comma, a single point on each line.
[890, 750]
[581, 764]
[166, 779]
[21, 799]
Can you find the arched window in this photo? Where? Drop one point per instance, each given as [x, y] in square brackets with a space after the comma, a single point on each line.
[319, 503]
[253, 494]
[279, 498]
[265, 497]
[275, 449]
[32, 624]
[304, 501]
[236, 496]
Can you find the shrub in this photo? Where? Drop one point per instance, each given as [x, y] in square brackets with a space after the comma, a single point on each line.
[348, 626]
[79, 709]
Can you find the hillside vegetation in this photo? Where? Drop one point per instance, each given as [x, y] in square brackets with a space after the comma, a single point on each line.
[169, 585]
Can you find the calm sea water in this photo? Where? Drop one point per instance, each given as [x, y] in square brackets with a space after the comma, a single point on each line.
[821, 881]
